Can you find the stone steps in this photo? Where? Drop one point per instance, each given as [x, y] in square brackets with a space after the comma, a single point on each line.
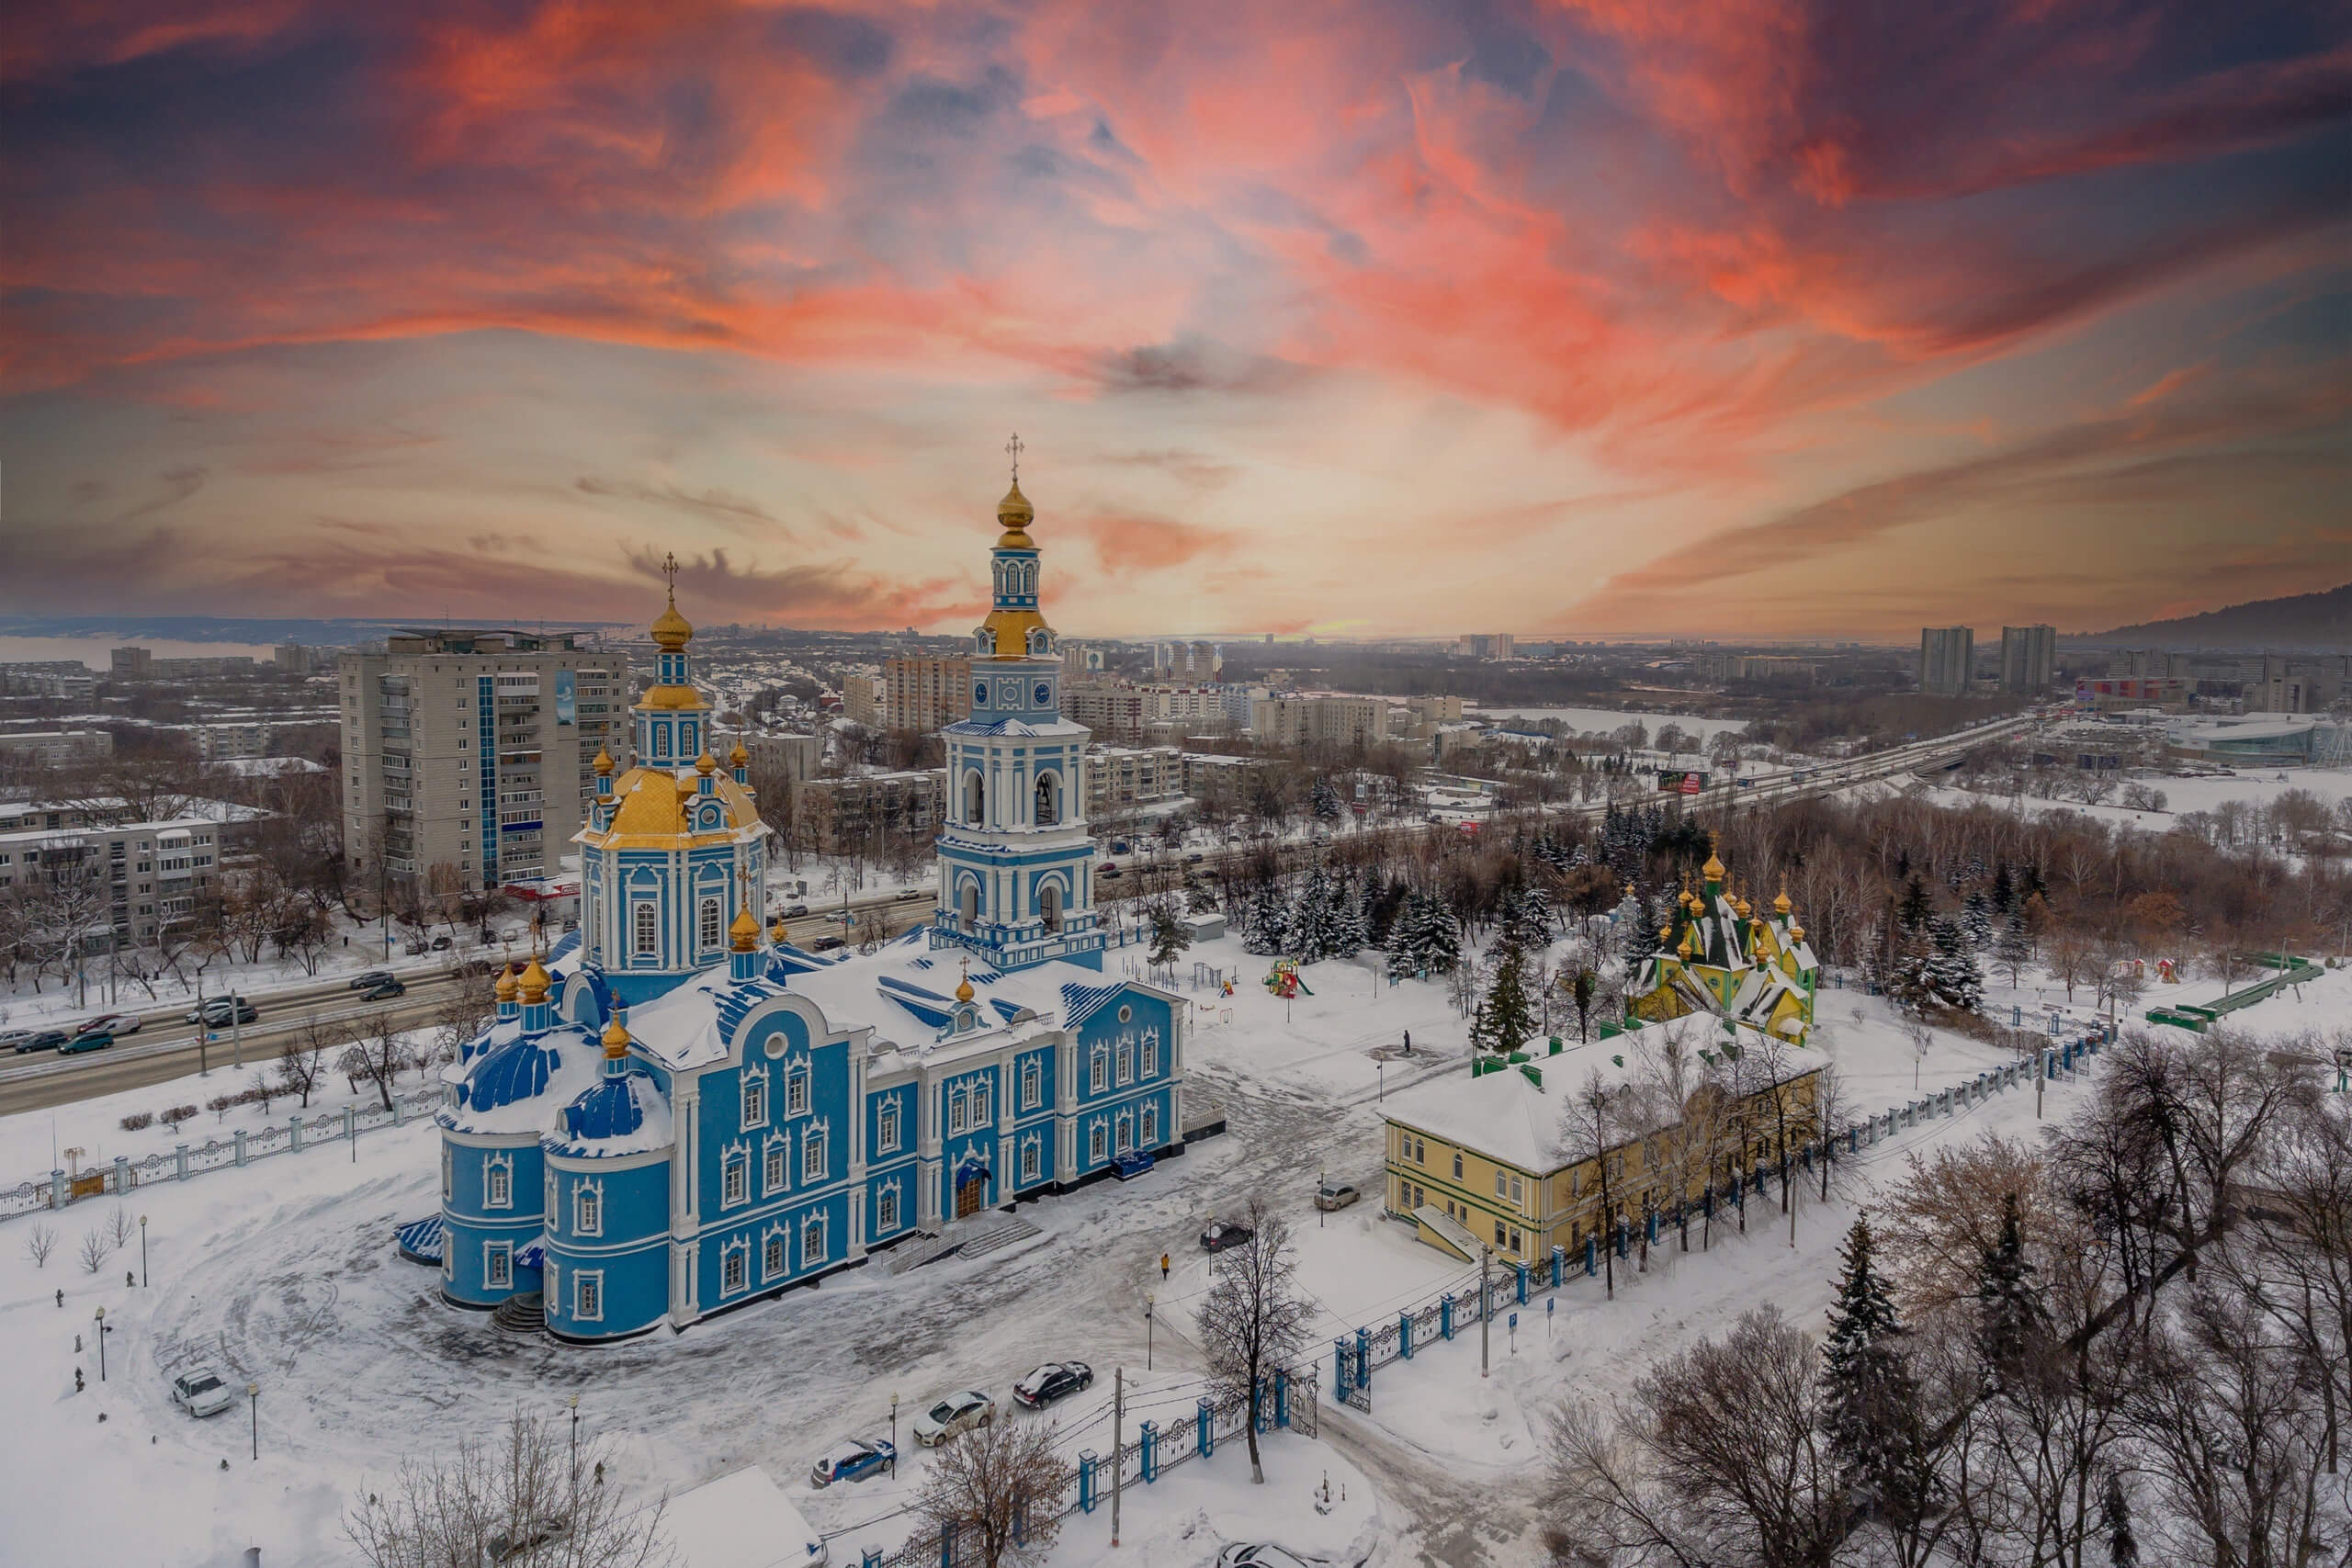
[975, 1237]
[522, 1313]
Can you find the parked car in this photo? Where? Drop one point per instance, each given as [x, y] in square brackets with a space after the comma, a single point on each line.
[914, 893]
[1194, 859]
[853, 1461]
[443, 944]
[956, 1413]
[826, 944]
[796, 912]
[370, 980]
[88, 1040]
[1134, 1163]
[14, 1038]
[1260, 1555]
[1054, 1380]
[1220, 1235]
[118, 1022]
[40, 1040]
[1119, 846]
[383, 990]
[216, 1011]
[1335, 1195]
[505, 1547]
[1110, 869]
[201, 1392]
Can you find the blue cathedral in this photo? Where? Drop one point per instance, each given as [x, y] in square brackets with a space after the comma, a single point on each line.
[676, 1112]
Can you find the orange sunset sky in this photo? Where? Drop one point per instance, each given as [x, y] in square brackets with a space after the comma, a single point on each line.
[1596, 318]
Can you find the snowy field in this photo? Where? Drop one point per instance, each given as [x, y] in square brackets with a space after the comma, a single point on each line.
[2253, 786]
[284, 1274]
[1608, 721]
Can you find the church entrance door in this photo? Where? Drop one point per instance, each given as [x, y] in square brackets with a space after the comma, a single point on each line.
[971, 1193]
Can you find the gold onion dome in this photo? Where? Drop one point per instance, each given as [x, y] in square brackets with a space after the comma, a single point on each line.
[616, 1038]
[1687, 947]
[603, 763]
[706, 764]
[1780, 903]
[776, 933]
[505, 986]
[964, 987]
[1665, 931]
[745, 931]
[671, 630]
[1015, 514]
[534, 983]
[1714, 870]
[1741, 905]
[1796, 933]
[739, 758]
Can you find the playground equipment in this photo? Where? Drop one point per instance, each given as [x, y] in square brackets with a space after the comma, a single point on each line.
[1284, 982]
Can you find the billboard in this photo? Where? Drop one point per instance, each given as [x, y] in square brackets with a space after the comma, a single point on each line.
[1673, 782]
[567, 706]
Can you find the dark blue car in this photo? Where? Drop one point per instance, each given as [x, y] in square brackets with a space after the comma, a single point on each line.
[853, 1461]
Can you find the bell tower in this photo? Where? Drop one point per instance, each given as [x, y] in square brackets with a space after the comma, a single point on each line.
[1017, 867]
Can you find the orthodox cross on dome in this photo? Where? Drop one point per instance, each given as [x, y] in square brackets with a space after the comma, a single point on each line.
[670, 571]
[1014, 448]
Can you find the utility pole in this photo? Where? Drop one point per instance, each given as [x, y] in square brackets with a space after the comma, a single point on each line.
[203, 1033]
[2040, 1071]
[1486, 1306]
[1118, 1424]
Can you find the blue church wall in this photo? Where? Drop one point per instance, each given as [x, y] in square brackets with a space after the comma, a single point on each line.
[887, 1221]
[1099, 1126]
[727, 1140]
[472, 1177]
[1109, 1038]
[626, 1259]
[1035, 1160]
[900, 1099]
[776, 1249]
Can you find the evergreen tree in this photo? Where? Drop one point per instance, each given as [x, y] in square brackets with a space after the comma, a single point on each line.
[1976, 919]
[1409, 938]
[1912, 910]
[2008, 1299]
[1504, 1018]
[1951, 975]
[1382, 900]
[2013, 949]
[1169, 935]
[1326, 800]
[1348, 934]
[2004, 889]
[1310, 930]
[1444, 943]
[1871, 1400]
[1265, 928]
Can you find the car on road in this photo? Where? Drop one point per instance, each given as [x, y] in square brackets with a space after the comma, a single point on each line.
[526, 1540]
[383, 990]
[444, 942]
[15, 1038]
[88, 1040]
[826, 944]
[796, 912]
[1054, 1380]
[1260, 1555]
[853, 1461]
[1134, 1163]
[116, 1022]
[370, 980]
[1335, 1195]
[961, 1412]
[914, 893]
[216, 1011]
[40, 1040]
[201, 1392]
[1110, 869]
[1194, 860]
[1220, 1235]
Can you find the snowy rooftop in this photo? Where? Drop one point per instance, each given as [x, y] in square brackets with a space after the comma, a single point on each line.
[741, 1520]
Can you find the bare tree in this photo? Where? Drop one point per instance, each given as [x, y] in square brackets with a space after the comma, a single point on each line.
[302, 1057]
[119, 1225]
[39, 1243]
[1000, 1489]
[95, 1249]
[377, 1052]
[1595, 1128]
[1252, 1320]
[522, 1497]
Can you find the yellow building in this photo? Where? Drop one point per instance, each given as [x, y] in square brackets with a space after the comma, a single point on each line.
[1496, 1158]
[1717, 954]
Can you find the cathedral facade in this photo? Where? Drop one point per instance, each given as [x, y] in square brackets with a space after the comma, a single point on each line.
[676, 1112]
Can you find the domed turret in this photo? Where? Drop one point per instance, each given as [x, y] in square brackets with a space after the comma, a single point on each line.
[615, 1038]
[745, 931]
[532, 986]
[504, 989]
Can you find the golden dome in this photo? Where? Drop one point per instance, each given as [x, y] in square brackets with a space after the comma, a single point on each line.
[964, 986]
[505, 986]
[1686, 948]
[671, 630]
[1714, 870]
[745, 931]
[615, 1038]
[1629, 890]
[534, 983]
[1015, 514]
[1740, 904]
[1780, 902]
[1796, 933]
[603, 763]
[739, 758]
[776, 933]
[1665, 931]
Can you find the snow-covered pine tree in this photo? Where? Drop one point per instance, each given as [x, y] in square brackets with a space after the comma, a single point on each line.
[2013, 949]
[1348, 937]
[2115, 1523]
[1169, 935]
[1382, 899]
[1951, 975]
[1444, 943]
[1911, 911]
[1504, 1018]
[1312, 924]
[1871, 1401]
[2010, 1316]
[1325, 800]
[1976, 919]
[2004, 889]
[1409, 938]
[1265, 928]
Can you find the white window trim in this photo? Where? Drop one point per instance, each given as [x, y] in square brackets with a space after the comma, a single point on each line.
[796, 1091]
[498, 1181]
[886, 1127]
[776, 1245]
[735, 1178]
[886, 1208]
[814, 1225]
[1126, 1073]
[1030, 1163]
[1098, 1141]
[812, 1155]
[1148, 1062]
[1099, 1072]
[1150, 1126]
[776, 1165]
[645, 929]
[587, 1208]
[497, 1265]
[735, 1253]
[1030, 1080]
[754, 1097]
[587, 1293]
[955, 1111]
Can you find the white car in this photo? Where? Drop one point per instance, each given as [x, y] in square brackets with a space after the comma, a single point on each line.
[202, 1393]
[956, 1413]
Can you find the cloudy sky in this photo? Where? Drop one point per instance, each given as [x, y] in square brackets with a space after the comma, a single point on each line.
[1595, 317]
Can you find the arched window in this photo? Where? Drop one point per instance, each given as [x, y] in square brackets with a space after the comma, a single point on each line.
[968, 902]
[1049, 906]
[1050, 799]
[706, 925]
[975, 798]
[648, 935]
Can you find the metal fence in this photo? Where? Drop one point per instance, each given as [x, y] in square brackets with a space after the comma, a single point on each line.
[326, 1129]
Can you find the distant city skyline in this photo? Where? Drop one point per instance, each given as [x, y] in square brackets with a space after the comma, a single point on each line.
[1365, 322]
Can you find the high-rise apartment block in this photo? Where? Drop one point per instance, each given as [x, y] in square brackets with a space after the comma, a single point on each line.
[2028, 658]
[1294, 721]
[925, 694]
[467, 754]
[1947, 659]
[865, 700]
[1196, 662]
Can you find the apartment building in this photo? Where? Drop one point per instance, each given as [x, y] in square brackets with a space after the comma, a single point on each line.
[1295, 721]
[1105, 706]
[795, 759]
[925, 694]
[1122, 777]
[2029, 659]
[141, 664]
[55, 747]
[832, 813]
[1194, 662]
[1947, 660]
[865, 699]
[468, 752]
[139, 876]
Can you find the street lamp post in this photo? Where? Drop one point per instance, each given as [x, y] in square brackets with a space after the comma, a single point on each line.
[1147, 1300]
[1323, 1180]
[252, 1403]
[574, 1403]
[103, 1332]
[1381, 1068]
[894, 1431]
[142, 1252]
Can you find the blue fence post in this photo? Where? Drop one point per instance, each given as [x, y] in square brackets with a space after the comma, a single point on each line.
[1854, 1140]
[1086, 1481]
[121, 1174]
[1559, 1265]
[1521, 1268]
[870, 1558]
[1206, 1440]
[947, 1545]
[1363, 1357]
[1622, 1228]
[1151, 1453]
[1282, 1396]
[1405, 1334]
[1339, 1363]
[1445, 1315]
[1592, 1254]
[294, 1131]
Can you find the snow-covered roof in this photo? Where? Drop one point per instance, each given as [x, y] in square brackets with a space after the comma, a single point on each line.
[741, 1520]
[1057, 728]
[513, 1084]
[617, 1115]
[1501, 1115]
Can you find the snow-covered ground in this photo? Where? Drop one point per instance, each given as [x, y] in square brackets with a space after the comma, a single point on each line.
[1608, 721]
[284, 1274]
[2199, 792]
